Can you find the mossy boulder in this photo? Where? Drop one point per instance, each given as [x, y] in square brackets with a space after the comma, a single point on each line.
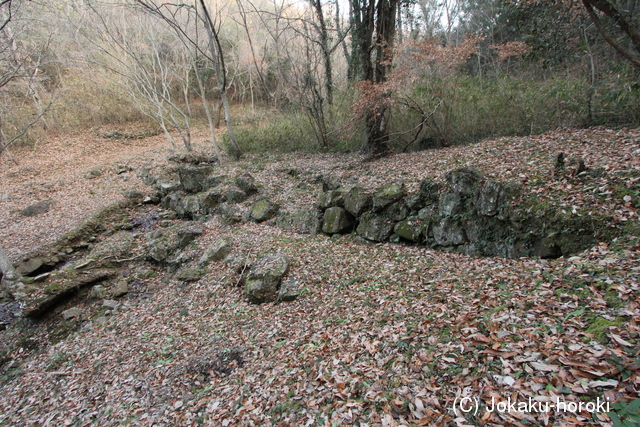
[36, 209]
[263, 281]
[165, 243]
[375, 228]
[387, 194]
[447, 232]
[263, 210]
[411, 229]
[306, 221]
[230, 214]
[356, 201]
[247, 183]
[464, 181]
[175, 202]
[194, 179]
[209, 201]
[216, 251]
[396, 211]
[451, 205]
[331, 198]
[336, 220]
[112, 249]
[236, 195]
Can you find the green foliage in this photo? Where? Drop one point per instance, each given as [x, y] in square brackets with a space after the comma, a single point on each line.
[464, 109]
[291, 130]
[625, 413]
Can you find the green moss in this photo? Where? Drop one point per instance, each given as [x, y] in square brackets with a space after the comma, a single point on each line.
[598, 328]
[612, 299]
[54, 288]
[191, 274]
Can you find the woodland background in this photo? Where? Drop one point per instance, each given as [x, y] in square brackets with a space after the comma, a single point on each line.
[316, 75]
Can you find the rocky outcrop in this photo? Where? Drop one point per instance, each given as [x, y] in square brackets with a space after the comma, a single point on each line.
[337, 221]
[263, 281]
[375, 227]
[263, 210]
[216, 251]
[469, 213]
[36, 209]
[306, 221]
[165, 243]
[247, 183]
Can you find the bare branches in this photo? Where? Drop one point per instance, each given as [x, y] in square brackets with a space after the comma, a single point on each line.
[624, 24]
[4, 145]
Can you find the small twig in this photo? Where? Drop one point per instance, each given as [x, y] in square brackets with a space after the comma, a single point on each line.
[246, 263]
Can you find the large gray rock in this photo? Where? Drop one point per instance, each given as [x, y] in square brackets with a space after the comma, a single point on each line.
[120, 289]
[449, 233]
[186, 232]
[396, 211]
[487, 200]
[387, 194]
[37, 209]
[216, 251]
[429, 191]
[451, 205]
[464, 181]
[356, 201]
[112, 249]
[191, 274]
[411, 229]
[375, 228]
[235, 195]
[331, 198]
[427, 195]
[247, 183]
[289, 289]
[165, 187]
[263, 281]
[28, 266]
[337, 221]
[230, 214]
[195, 179]
[174, 202]
[165, 243]
[307, 221]
[209, 201]
[192, 207]
[72, 313]
[263, 210]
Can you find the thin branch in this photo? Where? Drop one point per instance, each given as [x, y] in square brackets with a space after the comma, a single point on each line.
[27, 127]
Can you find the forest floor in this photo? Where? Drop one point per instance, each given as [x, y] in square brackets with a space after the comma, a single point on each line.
[382, 335]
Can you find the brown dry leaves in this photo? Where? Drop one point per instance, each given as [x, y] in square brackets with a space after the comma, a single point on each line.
[383, 335]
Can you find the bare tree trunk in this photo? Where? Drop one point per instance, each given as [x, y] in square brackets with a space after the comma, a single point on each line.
[218, 63]
[245, 25]
[375, 27]
[622, 21]
[207, 111]
[324, 47]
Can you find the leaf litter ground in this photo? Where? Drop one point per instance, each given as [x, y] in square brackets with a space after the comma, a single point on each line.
[381, 335]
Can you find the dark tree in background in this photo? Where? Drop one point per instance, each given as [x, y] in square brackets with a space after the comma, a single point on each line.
[373, 30]
[625, 15]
